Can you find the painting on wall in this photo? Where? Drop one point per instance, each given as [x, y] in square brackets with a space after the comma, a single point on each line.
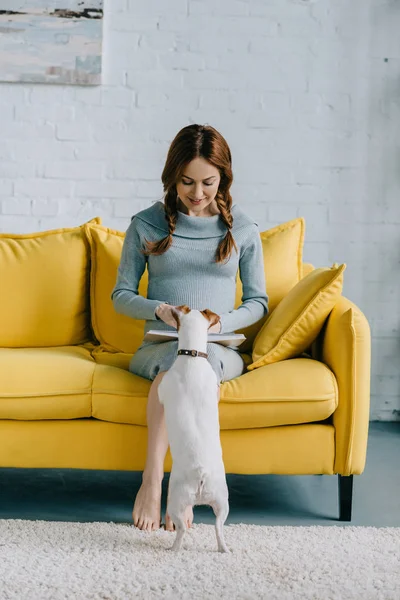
[51, 41]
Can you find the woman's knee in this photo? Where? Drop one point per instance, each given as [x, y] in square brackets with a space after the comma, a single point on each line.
[159, 377]
[156, 381]
[153, 399]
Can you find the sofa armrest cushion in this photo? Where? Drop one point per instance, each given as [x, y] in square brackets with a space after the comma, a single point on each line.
[299, 317]
[345, 347]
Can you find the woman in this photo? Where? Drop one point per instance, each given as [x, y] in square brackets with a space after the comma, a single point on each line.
[193, 244]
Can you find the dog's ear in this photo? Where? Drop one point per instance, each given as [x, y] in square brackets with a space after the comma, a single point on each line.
[211, 316]
[176, 312]
[183, 308]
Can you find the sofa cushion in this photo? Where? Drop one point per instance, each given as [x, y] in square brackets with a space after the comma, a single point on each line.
[283, 266]
[282, 252]
[114, 331]
[82, 382]
[45, 288]
[307, 268]
[283, 259]
[46, 383]
[300, 390]
[299, 317]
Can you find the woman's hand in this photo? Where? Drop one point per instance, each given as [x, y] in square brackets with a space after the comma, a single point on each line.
[165, 313]
[215, 328]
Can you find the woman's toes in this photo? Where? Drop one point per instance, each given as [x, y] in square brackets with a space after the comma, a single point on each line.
[154, 526]
[147, 506]
[169, 526]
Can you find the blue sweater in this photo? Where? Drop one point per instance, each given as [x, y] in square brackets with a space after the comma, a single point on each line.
[187, 272]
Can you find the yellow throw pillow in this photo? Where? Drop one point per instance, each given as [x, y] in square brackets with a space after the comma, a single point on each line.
[115, 332]
[299, 317]
[45, 288]
[283, 266]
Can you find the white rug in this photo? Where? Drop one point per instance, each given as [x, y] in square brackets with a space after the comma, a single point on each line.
[40, 560]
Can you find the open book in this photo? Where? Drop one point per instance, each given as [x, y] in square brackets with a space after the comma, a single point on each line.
[226, 339]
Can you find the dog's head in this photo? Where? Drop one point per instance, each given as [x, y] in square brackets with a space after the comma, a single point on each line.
[183, 313]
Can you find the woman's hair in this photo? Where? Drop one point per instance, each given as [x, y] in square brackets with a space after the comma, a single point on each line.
[192, 142]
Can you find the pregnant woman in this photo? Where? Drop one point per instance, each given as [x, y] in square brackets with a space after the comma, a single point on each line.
[193, 243]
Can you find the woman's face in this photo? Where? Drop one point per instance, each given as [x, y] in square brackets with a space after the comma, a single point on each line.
[199, 181]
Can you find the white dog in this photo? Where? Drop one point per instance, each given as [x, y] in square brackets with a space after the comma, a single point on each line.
[188, 392]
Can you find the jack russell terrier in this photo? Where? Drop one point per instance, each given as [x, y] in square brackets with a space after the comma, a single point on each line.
[188, 392]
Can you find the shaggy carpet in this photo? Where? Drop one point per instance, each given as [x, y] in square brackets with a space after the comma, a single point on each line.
[43, 560]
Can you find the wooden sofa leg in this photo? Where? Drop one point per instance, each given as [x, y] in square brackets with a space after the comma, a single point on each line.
[345, 497]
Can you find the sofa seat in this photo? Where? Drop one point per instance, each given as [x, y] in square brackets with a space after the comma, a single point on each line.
[299, 390]
[46, 383]
[71, 382]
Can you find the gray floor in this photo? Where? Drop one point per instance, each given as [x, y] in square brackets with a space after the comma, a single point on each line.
[77, 495]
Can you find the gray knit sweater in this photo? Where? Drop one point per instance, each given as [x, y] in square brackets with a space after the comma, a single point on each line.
[187, 272]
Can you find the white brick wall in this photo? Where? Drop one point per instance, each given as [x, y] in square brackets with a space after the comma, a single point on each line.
[304, 91]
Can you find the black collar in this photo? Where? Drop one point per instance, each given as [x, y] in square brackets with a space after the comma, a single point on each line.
[192, 353]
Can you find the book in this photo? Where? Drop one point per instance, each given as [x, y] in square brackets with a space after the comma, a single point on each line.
[226, 339]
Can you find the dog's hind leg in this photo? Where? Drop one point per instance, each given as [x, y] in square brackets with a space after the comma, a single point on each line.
[221, 510]
[180, 531]
[177, 502]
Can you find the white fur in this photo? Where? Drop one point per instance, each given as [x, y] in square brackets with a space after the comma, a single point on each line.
[189, 394]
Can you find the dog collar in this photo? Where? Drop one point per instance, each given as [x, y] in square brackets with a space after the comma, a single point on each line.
[192, 353]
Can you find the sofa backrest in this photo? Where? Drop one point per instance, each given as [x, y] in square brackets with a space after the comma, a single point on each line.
[56, 285]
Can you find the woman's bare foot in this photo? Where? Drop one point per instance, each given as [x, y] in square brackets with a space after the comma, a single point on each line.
[146, 512]
[169, 526]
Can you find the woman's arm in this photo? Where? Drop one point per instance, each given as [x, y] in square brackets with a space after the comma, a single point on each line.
[254, 299]
[125, 296]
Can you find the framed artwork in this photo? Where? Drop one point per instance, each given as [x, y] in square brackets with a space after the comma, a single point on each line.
[51, 41]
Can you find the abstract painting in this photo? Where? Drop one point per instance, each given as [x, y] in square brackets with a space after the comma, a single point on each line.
[51, 41]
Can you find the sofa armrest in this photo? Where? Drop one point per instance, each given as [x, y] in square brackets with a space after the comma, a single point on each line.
[344, 345]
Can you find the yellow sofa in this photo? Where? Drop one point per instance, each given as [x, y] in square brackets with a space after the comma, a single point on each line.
[68, 400]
